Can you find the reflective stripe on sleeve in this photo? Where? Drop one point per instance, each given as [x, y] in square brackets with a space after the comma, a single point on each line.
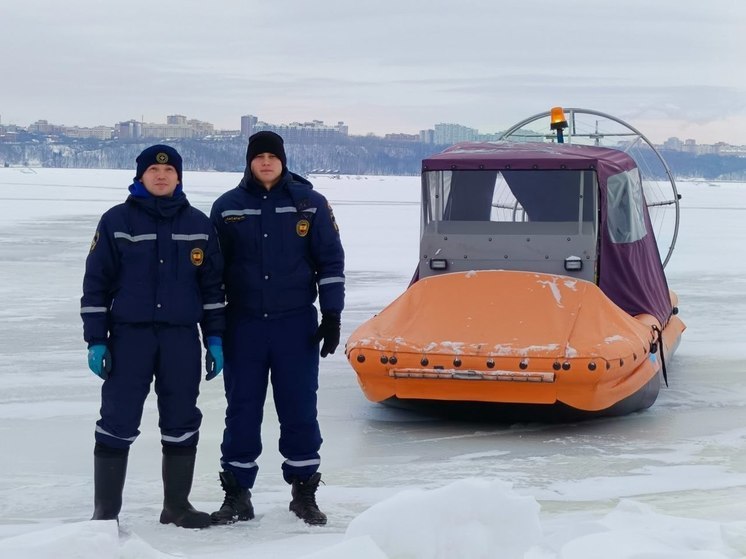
[86, 310]
[213, 306]
[331, 280]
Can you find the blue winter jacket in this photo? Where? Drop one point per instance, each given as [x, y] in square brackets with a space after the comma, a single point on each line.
[153, 260]
[281, 248]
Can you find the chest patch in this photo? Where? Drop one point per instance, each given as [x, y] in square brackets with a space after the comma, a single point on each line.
[197, 256]
[302, 227]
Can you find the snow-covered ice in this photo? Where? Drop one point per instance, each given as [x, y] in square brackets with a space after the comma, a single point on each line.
[669, 482]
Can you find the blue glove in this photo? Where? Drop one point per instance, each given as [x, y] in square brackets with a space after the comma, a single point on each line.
[99, 360]
[214, 357]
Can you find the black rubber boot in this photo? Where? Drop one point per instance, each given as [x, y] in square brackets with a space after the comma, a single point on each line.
[109, 471]
[237, 503]
[304, 501]
[178, 471]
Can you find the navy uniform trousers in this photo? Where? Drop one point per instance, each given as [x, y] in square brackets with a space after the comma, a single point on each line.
[139, 353]
[281, 349]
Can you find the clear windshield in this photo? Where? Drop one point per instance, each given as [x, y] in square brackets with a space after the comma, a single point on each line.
[533, 201]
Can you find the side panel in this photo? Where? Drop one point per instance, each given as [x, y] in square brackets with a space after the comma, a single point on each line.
[521, 246]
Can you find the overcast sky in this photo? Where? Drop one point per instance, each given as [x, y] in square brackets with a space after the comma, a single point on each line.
[668, 67]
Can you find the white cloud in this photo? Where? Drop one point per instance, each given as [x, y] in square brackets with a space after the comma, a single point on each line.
[379, 66]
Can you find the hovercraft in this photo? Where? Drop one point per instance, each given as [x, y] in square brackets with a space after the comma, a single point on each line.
[540, 284]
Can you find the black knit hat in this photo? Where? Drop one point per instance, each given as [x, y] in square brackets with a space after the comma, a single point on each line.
[266, 142]
[158, 154]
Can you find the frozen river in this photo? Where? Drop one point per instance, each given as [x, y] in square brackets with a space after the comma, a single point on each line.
[677, 469]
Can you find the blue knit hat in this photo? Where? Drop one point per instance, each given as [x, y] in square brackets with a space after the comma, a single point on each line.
[158, 154]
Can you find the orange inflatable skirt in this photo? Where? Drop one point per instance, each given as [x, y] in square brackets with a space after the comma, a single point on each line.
[513, 338]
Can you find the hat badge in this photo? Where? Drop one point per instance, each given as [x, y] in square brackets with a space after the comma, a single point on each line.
[161, 158]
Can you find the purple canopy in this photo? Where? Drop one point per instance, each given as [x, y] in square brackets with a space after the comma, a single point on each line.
[629, 273]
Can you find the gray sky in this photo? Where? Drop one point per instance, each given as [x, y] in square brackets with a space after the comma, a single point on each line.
[668, 67]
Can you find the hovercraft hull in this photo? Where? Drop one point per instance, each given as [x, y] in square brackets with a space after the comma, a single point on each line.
[512, 338]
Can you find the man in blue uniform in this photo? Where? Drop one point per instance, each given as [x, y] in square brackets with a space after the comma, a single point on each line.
[154, 272]
[281, 246]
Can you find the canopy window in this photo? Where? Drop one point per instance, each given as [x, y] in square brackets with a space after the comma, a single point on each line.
[523, 201]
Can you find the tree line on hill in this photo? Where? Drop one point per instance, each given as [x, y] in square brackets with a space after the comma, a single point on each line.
[355, 155]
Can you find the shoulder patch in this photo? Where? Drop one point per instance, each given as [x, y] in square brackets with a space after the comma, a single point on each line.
[94, 242]
[331, 215]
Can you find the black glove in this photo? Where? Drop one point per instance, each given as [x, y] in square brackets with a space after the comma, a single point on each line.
[329, 332]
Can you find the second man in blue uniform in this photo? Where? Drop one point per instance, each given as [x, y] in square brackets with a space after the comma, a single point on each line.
[282, 248]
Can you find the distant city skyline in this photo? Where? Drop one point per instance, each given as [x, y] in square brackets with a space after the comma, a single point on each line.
[658, 130]
[207, 128]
